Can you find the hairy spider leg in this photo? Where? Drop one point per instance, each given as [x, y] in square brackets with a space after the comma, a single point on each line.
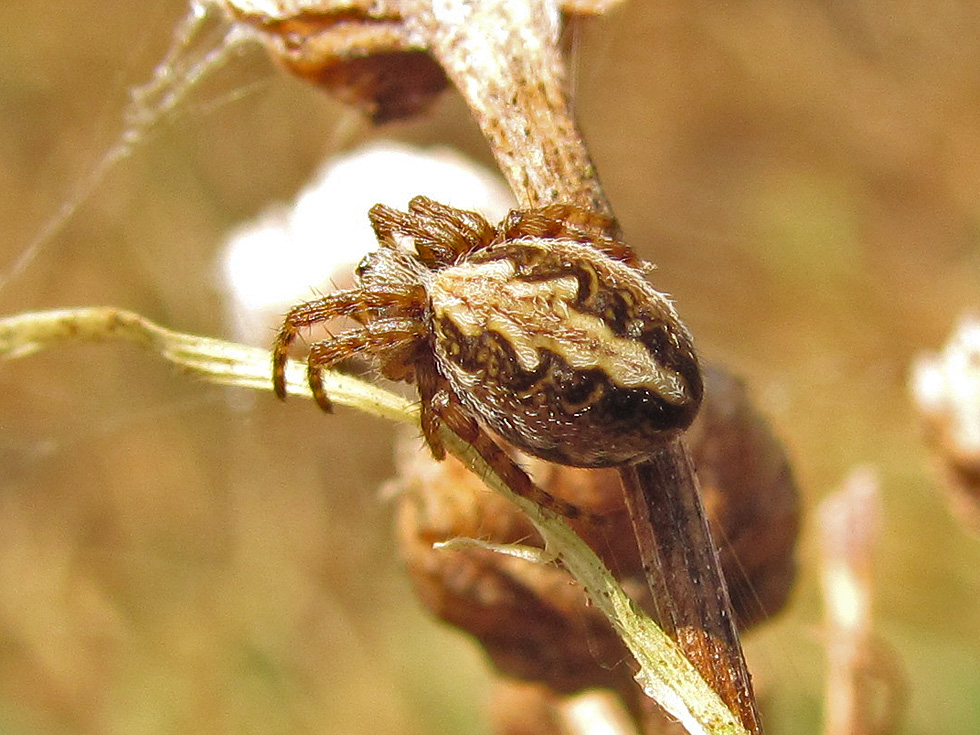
[570, 222]
[340, 303]
[432, 251]
[558, 220]
[460, 422]
[387, 223]
[380, 335]
[431, 385]
[439, 233]
[520, 482]
[468, 231]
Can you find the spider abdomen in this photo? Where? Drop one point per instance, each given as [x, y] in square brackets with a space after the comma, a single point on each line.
[568, 354]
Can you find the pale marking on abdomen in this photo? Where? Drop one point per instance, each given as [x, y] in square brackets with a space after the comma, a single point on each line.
[482, 297]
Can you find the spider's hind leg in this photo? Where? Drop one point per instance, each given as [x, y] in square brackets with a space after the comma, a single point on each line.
[460, 422]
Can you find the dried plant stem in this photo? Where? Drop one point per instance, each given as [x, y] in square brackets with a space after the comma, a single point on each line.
[865, 689]
[665, 673]
[218, 361]
[682, 566]
[504, 59]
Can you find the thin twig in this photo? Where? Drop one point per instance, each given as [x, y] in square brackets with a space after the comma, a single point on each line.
[226, 363]
[504, 59]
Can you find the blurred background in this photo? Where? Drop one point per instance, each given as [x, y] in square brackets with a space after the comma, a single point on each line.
[177, 557]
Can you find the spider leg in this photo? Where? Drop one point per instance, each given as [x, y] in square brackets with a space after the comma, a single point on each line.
[387, 222]
[432, 248]
[340, 303]
[431, 387]
[457, 419]
[572, 222]
[440, 233]
[462, 230]
[558, 220]
[380, 335]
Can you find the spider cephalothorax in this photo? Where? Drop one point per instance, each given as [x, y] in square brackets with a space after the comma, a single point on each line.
[543, 330]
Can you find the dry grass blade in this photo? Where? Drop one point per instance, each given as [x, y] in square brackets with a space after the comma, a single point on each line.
[218, 361]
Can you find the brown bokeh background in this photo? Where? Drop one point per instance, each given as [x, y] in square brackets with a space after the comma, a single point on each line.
[176, 557]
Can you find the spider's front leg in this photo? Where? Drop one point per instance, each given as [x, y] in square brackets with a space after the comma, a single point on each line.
[440, 234]
[386, 337]
[352, 303]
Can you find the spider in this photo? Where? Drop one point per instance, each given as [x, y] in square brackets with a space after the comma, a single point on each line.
[542, 330]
